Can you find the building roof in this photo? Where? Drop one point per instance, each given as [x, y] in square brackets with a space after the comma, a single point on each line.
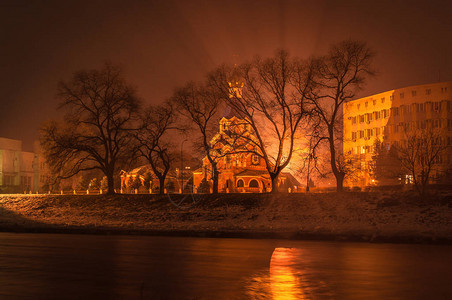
[292, 180]
[230, 112]
[141, 170]
[251, 173]
[411, 87]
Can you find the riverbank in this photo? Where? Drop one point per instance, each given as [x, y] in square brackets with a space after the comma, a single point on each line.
[371, 217]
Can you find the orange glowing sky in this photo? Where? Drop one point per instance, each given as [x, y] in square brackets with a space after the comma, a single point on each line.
[162, 44]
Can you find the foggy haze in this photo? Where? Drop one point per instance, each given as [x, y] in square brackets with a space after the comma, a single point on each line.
[163, 44]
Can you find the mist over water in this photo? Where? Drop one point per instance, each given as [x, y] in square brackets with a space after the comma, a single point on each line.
[134, 267]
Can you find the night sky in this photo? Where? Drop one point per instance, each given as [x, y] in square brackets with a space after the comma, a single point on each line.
[162, 44]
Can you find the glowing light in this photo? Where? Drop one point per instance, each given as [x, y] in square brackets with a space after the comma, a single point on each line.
[284, 282]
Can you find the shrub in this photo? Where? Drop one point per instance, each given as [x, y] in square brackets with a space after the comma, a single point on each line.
[204, 186]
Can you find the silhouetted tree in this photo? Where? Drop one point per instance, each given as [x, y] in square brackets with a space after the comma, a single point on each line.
[148, 180]
[104, 183]
[94, 184]
[272, 102]
[204, 186]
[95, 134]
[339, 75]
[386, 166]
[420, 154]
[152, 143]
[200, 104]
[82, 183]
[135, 184]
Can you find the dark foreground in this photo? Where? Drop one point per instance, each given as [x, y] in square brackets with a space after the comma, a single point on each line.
[52, 266]
[399, 217]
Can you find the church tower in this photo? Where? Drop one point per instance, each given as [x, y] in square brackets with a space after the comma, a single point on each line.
[235, 83]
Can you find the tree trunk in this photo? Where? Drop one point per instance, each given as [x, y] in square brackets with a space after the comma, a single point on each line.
[111, 183]
[161, 185]
[274, 179]
[340, 182]
[215, 181]
[337, 173]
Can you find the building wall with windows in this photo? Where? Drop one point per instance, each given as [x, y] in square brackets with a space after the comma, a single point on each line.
[20, 171]
[389, 117]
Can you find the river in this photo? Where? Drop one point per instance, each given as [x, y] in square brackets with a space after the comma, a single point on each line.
[143, 267]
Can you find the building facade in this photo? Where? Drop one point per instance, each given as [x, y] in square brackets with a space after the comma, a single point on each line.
[20, 171]
[389, 118]
[239, 171]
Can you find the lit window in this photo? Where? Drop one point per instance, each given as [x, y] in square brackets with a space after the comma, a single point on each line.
[255, 159]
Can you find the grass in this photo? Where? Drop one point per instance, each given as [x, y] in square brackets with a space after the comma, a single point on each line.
[366, 216]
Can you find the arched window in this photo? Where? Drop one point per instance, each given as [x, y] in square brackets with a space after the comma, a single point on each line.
[240, 183]
[254, 183]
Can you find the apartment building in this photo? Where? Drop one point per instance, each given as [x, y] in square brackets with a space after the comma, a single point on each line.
[389, 117]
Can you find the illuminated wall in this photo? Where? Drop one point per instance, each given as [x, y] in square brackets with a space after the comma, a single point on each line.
[388, 117]
[239, 172]
[19, 168]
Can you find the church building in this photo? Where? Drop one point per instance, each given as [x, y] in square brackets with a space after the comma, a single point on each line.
[241, 169]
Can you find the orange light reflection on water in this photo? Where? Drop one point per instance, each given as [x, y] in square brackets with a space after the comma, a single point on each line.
[282, 281]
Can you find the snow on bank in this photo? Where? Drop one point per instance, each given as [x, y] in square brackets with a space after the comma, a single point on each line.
[364, 216]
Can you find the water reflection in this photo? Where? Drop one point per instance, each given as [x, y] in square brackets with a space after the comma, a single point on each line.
[284, 280]
[127, 267]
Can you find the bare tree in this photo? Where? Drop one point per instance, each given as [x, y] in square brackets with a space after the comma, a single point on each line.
[385, 166]
[101, 108]
[340, 74]
[152, 142]
[272, 102]
[421, 154]
[310, 162]
[200, 105]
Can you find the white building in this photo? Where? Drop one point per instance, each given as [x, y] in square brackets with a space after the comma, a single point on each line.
[20, 171]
